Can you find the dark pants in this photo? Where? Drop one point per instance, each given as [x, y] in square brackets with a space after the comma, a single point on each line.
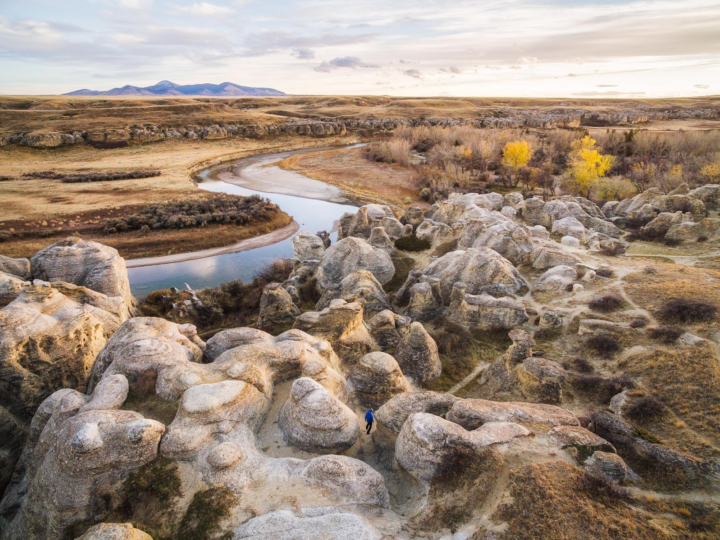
[368, 427]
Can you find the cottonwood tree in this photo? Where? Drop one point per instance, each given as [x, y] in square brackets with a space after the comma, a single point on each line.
[516, 154]
[586, 166]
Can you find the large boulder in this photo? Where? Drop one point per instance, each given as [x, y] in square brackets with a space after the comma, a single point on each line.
[114, 531]
[88, 264]
[428, 445]
[17, 267]
[358, 285]
[341, 324]
[277, 309]
[232, 338]
[49, 338]
[323, 523]
[314, 420]
[307, 246]
[557, 278]
[385, 328]
[90, 451]
[351, 254]
[378, 375]
[392, 415]
[473, 413]
[707, 228]
[483, 270]
[485, 312]
[417, 354]
[509, 239]
[569, 226]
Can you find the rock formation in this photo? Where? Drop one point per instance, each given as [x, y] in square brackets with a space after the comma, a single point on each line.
[417, 354]
[314, 420]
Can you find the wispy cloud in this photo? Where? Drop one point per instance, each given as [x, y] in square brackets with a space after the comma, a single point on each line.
[205, 9]
[414, 73]
[351, 62]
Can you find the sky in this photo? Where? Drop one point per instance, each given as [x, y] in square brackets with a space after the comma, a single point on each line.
[524, 48]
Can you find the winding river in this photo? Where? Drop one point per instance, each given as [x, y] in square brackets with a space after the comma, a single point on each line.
[314, 205]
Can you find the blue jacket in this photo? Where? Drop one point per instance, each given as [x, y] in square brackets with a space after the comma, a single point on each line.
[369, 418]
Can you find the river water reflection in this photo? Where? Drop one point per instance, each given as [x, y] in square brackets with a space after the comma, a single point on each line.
[311, 214]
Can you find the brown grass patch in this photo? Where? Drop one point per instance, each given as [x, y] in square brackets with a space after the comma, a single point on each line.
[557, 500]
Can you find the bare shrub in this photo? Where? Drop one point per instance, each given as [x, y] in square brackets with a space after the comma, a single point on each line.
[681, 310]
[666, 334]
[603, 344]
[646, 409]
[605, 303]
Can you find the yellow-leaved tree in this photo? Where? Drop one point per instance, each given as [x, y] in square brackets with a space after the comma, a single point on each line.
[516, 154]
[586, 166]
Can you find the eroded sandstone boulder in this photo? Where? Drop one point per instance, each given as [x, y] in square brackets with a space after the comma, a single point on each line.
[88, 264]
[358, 285]
[341, 324]
[484, 312]
[17, 267]
[472, 413]
[417, 354]
[114, 531]
[351, 254]
[277, 309]
[378, 376]
[483, 270]
[311, 524]
[393, 414]
[314, 420]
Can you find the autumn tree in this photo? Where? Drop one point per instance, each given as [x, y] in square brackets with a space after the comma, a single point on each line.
[516, 154]
[586, 166]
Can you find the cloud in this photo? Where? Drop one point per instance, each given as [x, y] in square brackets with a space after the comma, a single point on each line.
[605, 85]
[135, 4]
[303, 53]
[703, 86]
[405, 61]
[414, 73]
[267, 42]
[610, 93]
[527, 60]
[454, 69]
[351, 62]
[205, 9]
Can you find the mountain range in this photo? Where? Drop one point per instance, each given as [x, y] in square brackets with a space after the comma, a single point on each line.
[167, 88]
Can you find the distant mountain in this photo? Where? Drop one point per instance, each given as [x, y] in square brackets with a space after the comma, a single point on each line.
[167, 88]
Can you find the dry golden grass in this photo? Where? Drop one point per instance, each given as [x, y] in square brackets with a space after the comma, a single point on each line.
[362, 179]
[138, 245]
[687, 381]
[35, 114]
[552, 500]
[651, 290]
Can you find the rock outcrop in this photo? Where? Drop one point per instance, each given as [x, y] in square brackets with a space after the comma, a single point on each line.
[314, 420]
[417, 354]
[341, 324]
[87, 264]
[17, 267]
[483, 270]
[277, 309]
[484, 312]
[360, 285]
[347, 256]
[311, 524]
[378, 377]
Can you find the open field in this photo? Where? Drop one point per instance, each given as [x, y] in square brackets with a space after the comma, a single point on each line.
[37, 212]
[37, 114]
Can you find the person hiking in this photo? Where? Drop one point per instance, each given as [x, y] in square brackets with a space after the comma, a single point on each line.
[369, 419]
